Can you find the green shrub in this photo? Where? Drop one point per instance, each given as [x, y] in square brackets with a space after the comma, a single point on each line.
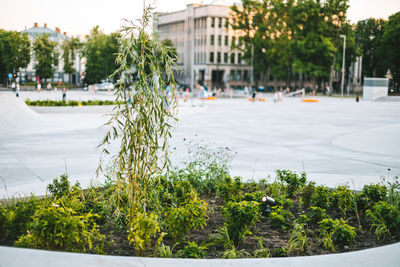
[5, 222]
[292, 180]
[346, 201]
[229, 188]
[179, 221]
[322, 197]
[192, 250]
[21, 215]
[385, 218]
[341, 233]
[286, 203]
[302, 219]
[280, 252]
[253, 196]
[280, 217]
[57, 227]
[182, 191]
[239, 217]
[306, 193]
[144, 227]
[374, 192]
[317, 214]
[393, 194]
[59, 188]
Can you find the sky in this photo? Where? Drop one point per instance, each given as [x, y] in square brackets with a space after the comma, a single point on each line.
[79, 16]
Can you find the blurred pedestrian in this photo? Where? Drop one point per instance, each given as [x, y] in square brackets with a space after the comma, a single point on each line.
[13, 86]
[17, 90]
[39, 87]
[48, 86]
[253, 93]
[64, 94]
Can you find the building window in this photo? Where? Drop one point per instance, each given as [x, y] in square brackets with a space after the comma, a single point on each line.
[239, 75]
[232, 78]
[212, 22]
[239, 58]
[212, 40]
[219, 57]
[233, 40]
[246, 75]
[219, 39]
[226, 40]
[220, 23]
[232, 58]
[226, 23]
[225, 57]
[212, 57]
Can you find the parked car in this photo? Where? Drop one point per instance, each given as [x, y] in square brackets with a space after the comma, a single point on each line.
[103, 86]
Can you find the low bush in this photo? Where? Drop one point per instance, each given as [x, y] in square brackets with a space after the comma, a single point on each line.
[57, 227]
[192, 250]
[374, 193]
[21, 215]
[143, 228]
[317, 214]
[239, 217]
[345, 200]
[306, 193]
[5, 222]
[59, 188]
[229, 188]
[179, 221]
[280, 217]
[292, 180]
[384, 218]
[341, 233]
[322, 197]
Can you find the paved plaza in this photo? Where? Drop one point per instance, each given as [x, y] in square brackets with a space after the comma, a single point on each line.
[334, 141]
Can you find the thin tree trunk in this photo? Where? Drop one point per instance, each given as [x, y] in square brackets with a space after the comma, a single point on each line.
[332, 73]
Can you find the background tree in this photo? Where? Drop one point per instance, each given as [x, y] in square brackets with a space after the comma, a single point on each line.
[46, 56]
[369, 34]
[101, 52]
[70, 49]
[15, 53]
[391, 44]
[313, 50]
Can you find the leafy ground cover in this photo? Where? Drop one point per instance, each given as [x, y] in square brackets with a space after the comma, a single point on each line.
[200, 211]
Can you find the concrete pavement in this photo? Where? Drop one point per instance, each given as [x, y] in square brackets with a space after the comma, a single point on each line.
[334, 141]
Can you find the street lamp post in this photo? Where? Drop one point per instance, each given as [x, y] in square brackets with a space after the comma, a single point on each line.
[252, 66]
[344, 53]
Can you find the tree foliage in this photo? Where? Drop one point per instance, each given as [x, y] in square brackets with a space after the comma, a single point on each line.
[46, 56]
[71, 47]
[391, 41]
[101, 52]
[14, 52]
[293, 37]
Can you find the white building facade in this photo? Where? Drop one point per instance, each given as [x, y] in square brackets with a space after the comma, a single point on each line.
[203, 39]
[28, 73]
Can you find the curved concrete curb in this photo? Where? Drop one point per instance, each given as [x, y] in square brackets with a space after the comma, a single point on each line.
[387, 256]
